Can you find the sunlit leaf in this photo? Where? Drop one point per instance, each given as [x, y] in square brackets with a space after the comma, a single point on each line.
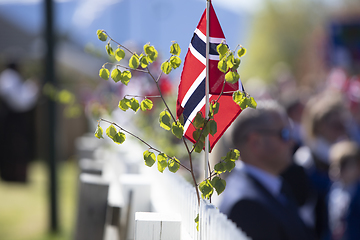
[144, 61]
[175, 49]
[104, 73]
[124, 104]
[173, 165]
[232, 77]
[222, 49]
[119, 138]
[230, 60]
[177, 129]
[164, 120]
[125, 77]
[99, 132]
[197, 222]
[134, 104]
[111, 131]
[101, 35]
[241, 52]
[237, 62]
[162, 162]
[151, 52]
[175, 62]
[134, 61]
[119, 54]
[214, 108]
[222, 65]
[146, 104]
[206, 189]
[109, 49]
[149, 158]
[166, 67]
[116, 74]
[252, 103]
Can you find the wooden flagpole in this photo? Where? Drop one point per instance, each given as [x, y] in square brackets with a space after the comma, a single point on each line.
[207, 108]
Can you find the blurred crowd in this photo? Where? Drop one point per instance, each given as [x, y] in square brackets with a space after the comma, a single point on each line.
[324, 174]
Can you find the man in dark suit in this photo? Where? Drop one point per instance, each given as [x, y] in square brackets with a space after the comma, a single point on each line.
[256, 198]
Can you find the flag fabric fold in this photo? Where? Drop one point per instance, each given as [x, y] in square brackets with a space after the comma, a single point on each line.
[191, 92]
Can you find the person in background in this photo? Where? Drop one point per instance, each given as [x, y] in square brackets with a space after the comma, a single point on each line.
[256, 198]
[344, 195]
[17, 101]
[324, 121]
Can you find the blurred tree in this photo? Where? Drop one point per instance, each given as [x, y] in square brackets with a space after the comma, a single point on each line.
[279, 34]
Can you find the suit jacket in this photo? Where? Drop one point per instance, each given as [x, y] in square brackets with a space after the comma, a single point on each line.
[258, 213]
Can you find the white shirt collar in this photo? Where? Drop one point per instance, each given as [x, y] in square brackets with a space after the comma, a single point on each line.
[270, 182]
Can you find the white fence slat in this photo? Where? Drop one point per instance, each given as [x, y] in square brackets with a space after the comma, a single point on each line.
[157, 226]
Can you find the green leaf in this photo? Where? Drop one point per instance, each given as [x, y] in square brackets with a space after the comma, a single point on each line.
[196, 135]
[119, 138]
[151, 52]
[232, 155]
[222, 49]
[241, 52]
[146, 104]
[109, 49]
[104, 73]
[99, 132]
[119, 54]
[230, 60]
[124, 104]
[237, 96]
[206, 189]
[149, 158]
[244, 103]
[134, 61]
[197, 222]
[134, 104]
[144, 61]
[219, 184]
[111, 131]
[232, 77]
[237, 62]
[164, 120]
[175, 62]
[213, 127]
[125, 77]
[101, 35]
[229, 165]
[222, 65]
[175, 49]
[116, 75]
[199, 146]
[177, 129]
[166, 67]
[199, 120]
[252, 103]
[220, 168]
[162, 163]
[173, 165]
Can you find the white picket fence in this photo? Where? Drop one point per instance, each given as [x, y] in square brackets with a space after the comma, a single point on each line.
[172, 194]
[166, 193]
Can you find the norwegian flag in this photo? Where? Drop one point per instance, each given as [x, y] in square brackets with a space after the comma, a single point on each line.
[191, 92]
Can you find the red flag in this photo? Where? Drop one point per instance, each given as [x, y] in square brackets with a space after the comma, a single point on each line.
[191, 93]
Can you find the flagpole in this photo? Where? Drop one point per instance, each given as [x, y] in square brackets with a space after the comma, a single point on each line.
[207, 108]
